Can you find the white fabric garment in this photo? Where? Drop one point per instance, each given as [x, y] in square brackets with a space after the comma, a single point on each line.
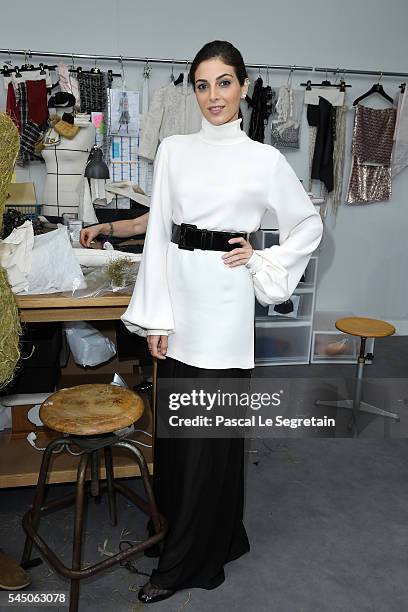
[68, 82]
[86, 211]
[16, 256]
[218, 179]
[30, 75]
[399, 159]
[334, 96]
[173, 110]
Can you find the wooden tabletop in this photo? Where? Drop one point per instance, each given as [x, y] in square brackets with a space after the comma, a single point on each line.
[56, 307]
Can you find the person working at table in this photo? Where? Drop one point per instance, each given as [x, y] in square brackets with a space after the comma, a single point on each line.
[117, 229]
[120, 229]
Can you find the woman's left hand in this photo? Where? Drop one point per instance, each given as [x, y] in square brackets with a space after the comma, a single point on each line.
[240, 255]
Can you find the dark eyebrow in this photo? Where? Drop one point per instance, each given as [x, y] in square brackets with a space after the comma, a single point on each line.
[219, 77]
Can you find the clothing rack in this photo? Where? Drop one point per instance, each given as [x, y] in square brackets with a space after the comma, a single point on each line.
[160, 60]
[378, 73]
[124, 58]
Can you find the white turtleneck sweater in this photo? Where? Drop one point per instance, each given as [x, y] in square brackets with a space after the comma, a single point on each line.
[218, 179]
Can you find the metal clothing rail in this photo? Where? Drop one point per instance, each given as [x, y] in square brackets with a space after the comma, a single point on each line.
[379, 73]
[161, 60]
[126, 58]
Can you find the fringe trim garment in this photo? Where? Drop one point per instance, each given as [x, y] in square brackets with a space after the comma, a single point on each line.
[339, 156]
[370, 177]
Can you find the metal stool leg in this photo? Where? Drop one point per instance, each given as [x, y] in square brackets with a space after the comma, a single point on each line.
[40, 494]
[356, 405]
[78, 523]
[95, 492]
[144, 472]
[110, 481]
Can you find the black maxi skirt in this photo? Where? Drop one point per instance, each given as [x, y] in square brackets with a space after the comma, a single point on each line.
[199, 488]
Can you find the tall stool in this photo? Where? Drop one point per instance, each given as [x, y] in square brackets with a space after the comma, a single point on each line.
[88, 415]
[364, 328]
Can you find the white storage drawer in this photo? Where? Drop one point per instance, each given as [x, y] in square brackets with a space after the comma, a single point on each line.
[287, 343]
[309, 274]
[337, 347]
[270, 238]
[304, 312]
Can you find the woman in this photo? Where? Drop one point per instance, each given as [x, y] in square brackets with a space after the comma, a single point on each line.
[196, 307]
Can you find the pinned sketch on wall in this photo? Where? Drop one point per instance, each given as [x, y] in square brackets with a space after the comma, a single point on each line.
[124, 109]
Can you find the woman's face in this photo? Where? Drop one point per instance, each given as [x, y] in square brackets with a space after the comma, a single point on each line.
[218, 91]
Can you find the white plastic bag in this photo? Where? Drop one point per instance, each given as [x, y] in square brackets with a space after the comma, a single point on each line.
[54, 266]
[88, 345]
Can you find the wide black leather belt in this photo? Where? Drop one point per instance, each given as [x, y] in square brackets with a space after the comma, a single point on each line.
[190, 237]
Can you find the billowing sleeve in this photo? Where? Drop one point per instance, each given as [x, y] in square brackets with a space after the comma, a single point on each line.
[150, 311]
[277, 270]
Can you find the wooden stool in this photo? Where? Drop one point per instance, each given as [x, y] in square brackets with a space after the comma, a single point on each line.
[364, 328]
[88, 415]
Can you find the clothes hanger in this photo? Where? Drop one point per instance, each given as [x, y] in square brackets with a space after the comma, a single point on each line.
[180, 77]
[376, 88]
[146, 70]
[402, 87]
[172, 71]
[122, 73]
[326, 83]
[94, 70]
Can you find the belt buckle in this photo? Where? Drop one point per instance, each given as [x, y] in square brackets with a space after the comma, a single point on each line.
[184, 227]
[204, 235]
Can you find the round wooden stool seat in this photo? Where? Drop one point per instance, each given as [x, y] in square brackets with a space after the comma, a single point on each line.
[365, 327]
[88, 410]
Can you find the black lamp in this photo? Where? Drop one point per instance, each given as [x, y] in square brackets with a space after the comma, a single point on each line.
[96, 167]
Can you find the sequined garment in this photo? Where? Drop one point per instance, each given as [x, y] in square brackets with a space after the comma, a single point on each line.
[370, 177]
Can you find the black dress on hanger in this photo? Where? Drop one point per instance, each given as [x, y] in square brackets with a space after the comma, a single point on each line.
[323, 117]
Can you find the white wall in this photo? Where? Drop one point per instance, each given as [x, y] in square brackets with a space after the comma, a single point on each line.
[364, 257]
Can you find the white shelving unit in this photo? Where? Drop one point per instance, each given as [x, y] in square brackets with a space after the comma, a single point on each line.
[284, 339]
[329, 345]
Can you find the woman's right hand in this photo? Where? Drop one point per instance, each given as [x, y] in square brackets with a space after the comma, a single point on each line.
[157, 346]
[88, 234]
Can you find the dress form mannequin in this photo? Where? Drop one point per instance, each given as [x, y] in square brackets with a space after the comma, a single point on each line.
[65, 164]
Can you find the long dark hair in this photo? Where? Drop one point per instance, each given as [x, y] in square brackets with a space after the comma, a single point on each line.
[226, 52]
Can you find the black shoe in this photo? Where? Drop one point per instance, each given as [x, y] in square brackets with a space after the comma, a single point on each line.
[142, 596]
[145, 386]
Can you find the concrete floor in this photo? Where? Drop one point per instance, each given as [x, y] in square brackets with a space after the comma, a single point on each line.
[326, 518]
